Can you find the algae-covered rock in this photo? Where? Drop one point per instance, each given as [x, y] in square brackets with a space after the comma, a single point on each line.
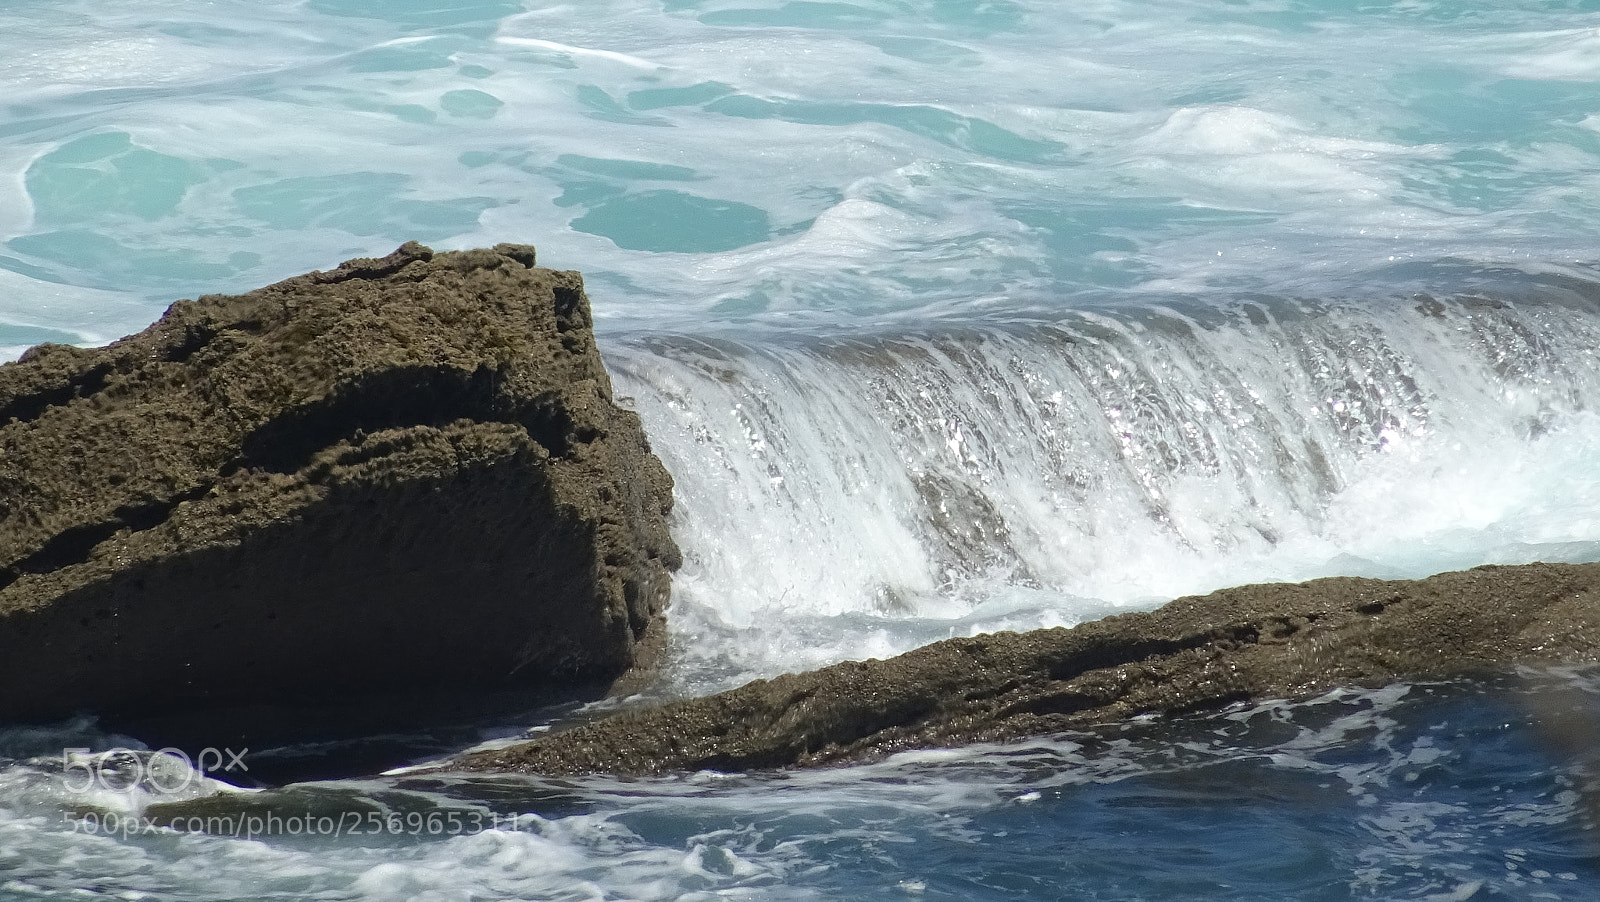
[1260, 641]
[405, 472]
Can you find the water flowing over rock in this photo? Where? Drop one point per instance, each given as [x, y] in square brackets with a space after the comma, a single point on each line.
[1195, 653]
[406, 472]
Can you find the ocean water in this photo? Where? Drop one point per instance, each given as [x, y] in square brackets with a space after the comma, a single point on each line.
[947, 316]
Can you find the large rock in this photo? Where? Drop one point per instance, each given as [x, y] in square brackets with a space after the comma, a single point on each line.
[406, 472]
[1194, 653]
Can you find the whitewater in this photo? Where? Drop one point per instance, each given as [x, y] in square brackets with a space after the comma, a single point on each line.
[947, 316]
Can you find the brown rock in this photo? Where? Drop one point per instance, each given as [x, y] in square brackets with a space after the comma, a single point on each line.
[1198, 652]
[405, 472]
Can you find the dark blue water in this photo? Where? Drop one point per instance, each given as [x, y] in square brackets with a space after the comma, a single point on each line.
[948, 316]
[1464, 790]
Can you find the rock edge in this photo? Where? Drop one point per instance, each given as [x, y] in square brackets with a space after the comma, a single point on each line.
[1195, 653]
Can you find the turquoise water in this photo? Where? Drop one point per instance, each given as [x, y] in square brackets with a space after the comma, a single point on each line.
[728, 162]
[962, 316]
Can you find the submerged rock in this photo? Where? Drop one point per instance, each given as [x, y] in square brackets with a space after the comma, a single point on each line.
[405, 472]
[1195, 653]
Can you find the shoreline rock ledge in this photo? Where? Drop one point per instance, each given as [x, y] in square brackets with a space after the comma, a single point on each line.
[406, 472]
[1193, 654]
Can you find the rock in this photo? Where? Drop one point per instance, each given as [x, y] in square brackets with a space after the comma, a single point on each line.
[406, 472]
[1194, 653]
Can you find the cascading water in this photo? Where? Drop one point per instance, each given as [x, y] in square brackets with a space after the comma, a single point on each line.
[948, 316]
[890, 489]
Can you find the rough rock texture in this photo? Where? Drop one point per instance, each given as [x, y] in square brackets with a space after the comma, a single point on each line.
[1197, 652]
[406, 471]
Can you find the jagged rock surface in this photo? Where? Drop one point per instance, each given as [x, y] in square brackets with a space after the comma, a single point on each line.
[404, 472]
[1194, 653]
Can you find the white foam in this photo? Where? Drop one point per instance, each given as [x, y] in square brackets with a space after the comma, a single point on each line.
[1301, 138]
[95, 316]
[1153, 148]
[608, 55]
[1568, 55]
[891, 492]
[69, 48]
[1270, 158]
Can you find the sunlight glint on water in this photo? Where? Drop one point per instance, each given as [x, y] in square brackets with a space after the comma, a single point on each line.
[959, 316]
[893, 490]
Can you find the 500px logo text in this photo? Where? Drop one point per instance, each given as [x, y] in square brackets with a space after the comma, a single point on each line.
[167, 770]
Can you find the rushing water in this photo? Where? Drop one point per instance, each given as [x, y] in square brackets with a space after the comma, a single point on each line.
[959, 315]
